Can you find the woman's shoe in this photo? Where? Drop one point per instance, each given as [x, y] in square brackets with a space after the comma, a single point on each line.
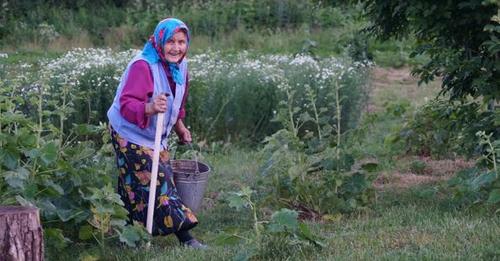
[193, 243]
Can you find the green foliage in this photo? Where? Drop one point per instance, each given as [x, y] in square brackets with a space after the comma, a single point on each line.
[443, 129]
[283, 232]
[122, 23]
[458, 37]
[66, 174]
[480, 185]
[307, 164]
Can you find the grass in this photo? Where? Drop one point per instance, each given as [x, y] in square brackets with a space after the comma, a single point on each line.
[407, 224]
[412, 224]
[394, 94]
[322, 42]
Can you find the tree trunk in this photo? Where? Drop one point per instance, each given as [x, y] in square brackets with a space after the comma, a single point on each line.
[21, 237]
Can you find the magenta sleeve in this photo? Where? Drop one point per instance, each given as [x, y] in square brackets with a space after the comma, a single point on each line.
[135, 94]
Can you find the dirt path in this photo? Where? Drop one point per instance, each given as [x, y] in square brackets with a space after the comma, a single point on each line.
[389, 85]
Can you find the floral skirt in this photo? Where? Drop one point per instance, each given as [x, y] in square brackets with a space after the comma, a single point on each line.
[135, 164]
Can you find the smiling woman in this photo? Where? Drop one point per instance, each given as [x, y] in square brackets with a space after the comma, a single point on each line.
[176, 47]
[154, 82]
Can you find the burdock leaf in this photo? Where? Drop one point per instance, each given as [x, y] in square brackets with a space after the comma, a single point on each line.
[284, 220]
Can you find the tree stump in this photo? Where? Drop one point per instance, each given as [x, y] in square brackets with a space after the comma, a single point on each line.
[21, 237]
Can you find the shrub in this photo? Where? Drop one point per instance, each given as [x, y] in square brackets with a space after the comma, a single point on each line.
[444, 129]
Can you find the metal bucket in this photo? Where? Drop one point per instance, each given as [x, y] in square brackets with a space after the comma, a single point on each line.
[191, 179]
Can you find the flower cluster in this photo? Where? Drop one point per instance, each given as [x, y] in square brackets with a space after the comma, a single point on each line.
[230, 83]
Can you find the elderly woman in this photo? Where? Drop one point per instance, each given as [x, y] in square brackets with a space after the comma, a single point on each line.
[156, 80]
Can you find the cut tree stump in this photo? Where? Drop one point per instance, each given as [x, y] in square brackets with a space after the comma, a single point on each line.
[21, 234]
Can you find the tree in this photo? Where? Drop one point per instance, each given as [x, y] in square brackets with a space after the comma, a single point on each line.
[460, 37]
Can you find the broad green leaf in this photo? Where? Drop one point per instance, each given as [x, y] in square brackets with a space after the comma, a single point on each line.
[84, 129]
[236, 201]
[23, 202]
[17, 179]
[85, 232]
[494, 197]
[284, 220]
[9, 158]
[120, 212]
[129, 236]
[53, 186]
[118, 222]
[305, 117]
[483, 179]
[31, 190]
[56, 238]
[64, 214]
[305, 232]
[27, 139]
[33, 153]
[49, 153]
[329, 164]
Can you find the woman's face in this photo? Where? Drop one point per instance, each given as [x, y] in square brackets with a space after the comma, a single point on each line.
[175, 48]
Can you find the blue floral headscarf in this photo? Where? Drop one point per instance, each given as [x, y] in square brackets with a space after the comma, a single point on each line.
[153, 49]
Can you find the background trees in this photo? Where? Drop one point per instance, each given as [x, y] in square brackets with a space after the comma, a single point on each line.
[459, 37]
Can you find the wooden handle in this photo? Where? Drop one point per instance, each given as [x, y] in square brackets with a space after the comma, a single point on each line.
[154, 172]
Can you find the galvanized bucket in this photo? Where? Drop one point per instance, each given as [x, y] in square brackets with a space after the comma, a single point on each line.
[191, 179]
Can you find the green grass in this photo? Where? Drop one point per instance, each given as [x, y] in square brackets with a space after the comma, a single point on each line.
[404, 225]
[28, 57]
[410, 224]
[419, 223]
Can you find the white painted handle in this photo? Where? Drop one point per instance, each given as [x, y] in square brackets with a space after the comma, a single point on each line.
[154, 172]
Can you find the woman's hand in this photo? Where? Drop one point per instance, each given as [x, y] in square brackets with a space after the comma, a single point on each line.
[159, 104]
[183, 132]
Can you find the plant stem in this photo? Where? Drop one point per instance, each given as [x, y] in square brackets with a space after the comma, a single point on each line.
[290, 112]
[61, 119]
[40, 116]
[493, 156]
[218, 114]
[339, 117]
[312, 99]
[316, 116]
[256, 221]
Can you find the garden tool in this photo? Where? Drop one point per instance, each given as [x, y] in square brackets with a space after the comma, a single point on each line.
[154, 172]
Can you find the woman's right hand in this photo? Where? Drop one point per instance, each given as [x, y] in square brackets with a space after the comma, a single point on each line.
[159, 104]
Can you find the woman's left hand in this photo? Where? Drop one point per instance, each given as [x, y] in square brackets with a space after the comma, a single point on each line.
[183, 132]
[185, 136]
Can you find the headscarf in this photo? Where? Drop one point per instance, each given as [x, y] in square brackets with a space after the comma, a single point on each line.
[153, 49]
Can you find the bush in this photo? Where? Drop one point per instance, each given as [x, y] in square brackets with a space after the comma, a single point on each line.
[20, 20]
[444, 129]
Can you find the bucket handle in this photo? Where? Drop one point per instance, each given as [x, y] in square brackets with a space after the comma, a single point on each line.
[190, 144]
